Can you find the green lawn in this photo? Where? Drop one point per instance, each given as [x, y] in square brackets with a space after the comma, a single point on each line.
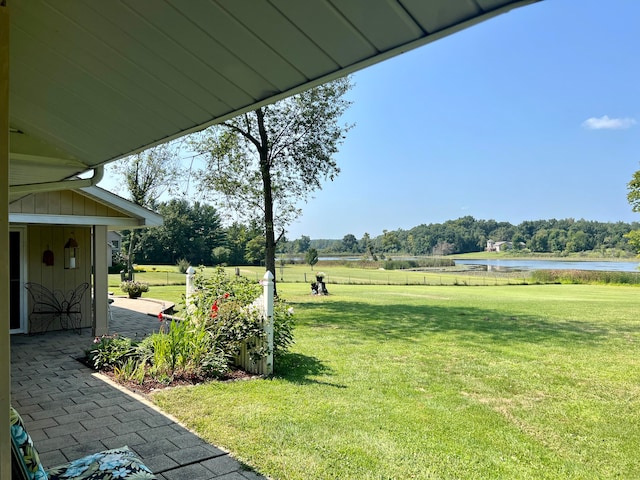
[338, 274]
[439, 382]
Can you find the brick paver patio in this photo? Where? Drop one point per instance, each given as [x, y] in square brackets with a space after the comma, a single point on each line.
[71, 412]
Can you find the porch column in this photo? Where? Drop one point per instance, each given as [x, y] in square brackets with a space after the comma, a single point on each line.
[100, 281]
[5, 344]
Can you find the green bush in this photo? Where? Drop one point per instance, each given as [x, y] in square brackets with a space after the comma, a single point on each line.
[183, 264]
[134, 289]
[110, 351]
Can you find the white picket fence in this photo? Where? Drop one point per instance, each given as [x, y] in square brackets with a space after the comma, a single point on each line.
[244, 360]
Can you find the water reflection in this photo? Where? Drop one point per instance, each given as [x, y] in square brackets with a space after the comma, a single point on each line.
[515, 265]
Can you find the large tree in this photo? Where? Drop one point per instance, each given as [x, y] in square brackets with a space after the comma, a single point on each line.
[260, 165]
[146, 176]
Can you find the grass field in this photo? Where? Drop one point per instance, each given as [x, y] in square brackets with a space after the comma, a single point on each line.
[337, 274]
[536, 381]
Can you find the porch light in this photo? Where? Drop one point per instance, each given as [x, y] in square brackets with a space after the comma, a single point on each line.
[71, 254]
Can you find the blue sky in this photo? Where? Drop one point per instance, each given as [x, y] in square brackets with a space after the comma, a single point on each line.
[531, 115]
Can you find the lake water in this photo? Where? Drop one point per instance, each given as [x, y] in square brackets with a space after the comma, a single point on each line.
[515, 264]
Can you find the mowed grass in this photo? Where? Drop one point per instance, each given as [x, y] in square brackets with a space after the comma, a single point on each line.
[159, 275]
[439, 382]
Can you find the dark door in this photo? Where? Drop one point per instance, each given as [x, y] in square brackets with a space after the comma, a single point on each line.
[15, 280]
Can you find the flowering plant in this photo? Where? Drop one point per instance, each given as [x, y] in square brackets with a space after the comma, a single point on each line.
[134, 289]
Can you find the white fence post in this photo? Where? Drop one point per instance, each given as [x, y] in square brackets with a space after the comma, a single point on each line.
[267, 283]
[190, 288]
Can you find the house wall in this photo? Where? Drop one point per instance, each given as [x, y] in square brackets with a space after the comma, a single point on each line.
[55, 277]
[5, 344]
[63, 202]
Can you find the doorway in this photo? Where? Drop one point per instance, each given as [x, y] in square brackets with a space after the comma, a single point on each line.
[17, 297]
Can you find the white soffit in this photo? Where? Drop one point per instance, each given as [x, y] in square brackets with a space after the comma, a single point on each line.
[93, 80]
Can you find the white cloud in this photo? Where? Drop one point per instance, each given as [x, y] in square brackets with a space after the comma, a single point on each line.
[605, 122]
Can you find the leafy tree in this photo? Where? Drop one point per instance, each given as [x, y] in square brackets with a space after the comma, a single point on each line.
[303, 244]
[190, 231]
[220, 255]
[147, 175]
[254, 251]
[390, 241]
[633, 237]
[633, 193]
[311, 257]
[349, 243]
[262, 163]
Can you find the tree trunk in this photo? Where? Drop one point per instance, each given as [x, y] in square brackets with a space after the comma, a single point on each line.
[132, 238]
[265, 170]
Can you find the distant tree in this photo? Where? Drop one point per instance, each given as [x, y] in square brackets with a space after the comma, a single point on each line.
[147, 175]
[254, 251]
[190, 231]
[633, 192]
[349, 243]
[633, 238]
[390, 241]
[366, 246]
[262, 163]
[303, 244]
[220, 255]
[238, 236]
[311, 257]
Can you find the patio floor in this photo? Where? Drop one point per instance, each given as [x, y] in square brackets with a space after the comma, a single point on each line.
[71, 412]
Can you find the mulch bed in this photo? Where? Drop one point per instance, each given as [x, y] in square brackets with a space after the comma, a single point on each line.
[150, 385]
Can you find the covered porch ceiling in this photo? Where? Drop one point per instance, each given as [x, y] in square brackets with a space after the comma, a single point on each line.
[94, 81]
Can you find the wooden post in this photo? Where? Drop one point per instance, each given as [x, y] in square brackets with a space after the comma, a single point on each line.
[100, 282]
[191, 289]
[267, 284]
[5, 344]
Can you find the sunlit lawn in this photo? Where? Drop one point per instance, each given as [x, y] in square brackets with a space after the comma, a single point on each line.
[336, 274]
[439, 382]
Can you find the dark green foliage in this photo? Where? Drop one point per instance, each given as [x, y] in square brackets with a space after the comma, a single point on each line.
[466, 234]
[190, 231]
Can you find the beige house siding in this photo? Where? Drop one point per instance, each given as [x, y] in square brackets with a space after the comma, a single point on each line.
[56, 277]
[65, 202]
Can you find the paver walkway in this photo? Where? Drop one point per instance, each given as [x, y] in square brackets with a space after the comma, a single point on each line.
[71, 412]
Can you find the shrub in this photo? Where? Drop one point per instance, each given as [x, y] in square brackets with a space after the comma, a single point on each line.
[222, 320]
[110, 351]
[183, 264]
[134, 289]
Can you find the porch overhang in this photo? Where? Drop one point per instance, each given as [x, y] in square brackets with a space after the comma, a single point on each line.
[94, 81]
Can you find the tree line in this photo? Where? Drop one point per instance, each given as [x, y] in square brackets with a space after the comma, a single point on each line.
[466, 234]
[194, 231]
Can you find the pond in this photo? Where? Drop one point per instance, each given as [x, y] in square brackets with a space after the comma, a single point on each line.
[516, 264]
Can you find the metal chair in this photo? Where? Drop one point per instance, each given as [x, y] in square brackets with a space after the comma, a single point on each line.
[47, 305]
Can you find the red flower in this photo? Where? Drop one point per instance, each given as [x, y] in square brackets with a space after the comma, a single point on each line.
[160, 317]
[214, 309]
[226, 295]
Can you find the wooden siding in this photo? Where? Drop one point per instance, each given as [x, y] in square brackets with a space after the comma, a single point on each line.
[64, 202]
[55, 277]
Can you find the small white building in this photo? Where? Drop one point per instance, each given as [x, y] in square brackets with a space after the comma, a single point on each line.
[114, 244]
[498, 246]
